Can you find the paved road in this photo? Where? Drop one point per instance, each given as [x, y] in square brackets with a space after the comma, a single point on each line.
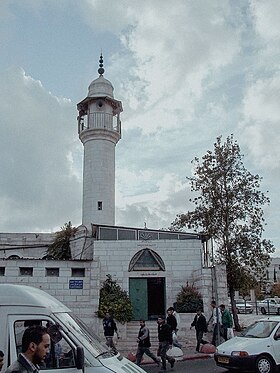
[189, 366]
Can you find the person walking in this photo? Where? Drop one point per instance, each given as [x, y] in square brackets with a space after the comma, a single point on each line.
[165, 341]
[35, 347]
[200, 325]
[216, 322]
[176, 314]
[172, 322]
[144, 344]
[227, 321]
[110, 328]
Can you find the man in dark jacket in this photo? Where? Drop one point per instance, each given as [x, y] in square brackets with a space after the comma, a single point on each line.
[144, 344]
[35, 347]
[165, 340]
[200, 325]
[171, 320]
[110, 328]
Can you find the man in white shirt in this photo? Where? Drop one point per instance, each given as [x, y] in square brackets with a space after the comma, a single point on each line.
[216, 322]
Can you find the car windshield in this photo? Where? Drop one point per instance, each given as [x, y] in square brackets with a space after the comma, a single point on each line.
[260, 329]
[87, 338]
[274, 300]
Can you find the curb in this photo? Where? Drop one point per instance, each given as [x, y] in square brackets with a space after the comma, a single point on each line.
[184, 358]
[198, 357]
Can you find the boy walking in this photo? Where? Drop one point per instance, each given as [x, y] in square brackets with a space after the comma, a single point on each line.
[144, 344]
[200, 325]
[165, 341]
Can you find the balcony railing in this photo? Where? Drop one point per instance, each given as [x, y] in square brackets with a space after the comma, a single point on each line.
[99, 121]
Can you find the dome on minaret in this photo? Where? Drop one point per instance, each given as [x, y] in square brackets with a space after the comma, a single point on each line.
[101, 87]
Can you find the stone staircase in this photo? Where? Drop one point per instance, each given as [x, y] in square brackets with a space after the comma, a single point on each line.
[129, 333]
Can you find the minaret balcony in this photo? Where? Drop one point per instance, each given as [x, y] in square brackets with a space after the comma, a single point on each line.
[98, 120]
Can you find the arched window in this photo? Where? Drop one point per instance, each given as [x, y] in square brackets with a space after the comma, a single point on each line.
[146, 260]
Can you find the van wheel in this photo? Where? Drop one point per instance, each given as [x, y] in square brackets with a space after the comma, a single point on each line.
[263, 311]
[264, 364]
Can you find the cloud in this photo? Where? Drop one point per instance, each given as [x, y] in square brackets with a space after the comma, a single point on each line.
[156, 207]
[35, 147]
[168, 53]
[186, 72]
[266, 15]
[262, 120]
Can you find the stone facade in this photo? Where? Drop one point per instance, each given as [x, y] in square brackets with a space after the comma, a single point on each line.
[96, 257]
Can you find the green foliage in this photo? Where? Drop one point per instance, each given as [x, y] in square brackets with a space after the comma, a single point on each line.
[188, 300]
[60, 248]
[114, 300]
[245, 281]
[275, 291]
[228, 207]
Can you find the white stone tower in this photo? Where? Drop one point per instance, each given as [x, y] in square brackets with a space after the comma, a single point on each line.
[99, 129]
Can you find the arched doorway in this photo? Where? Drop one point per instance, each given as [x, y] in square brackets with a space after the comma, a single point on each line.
[147, 293]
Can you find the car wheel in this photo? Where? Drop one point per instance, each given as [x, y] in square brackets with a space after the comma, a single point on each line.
[263, 311]
[265, 364]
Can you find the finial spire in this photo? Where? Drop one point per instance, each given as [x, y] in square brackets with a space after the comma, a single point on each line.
[101, 70]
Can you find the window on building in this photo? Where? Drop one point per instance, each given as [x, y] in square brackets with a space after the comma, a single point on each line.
[25, 271]
[52, 272]
[2, 271]
[146, 260]
[99, 205]
[77, 272]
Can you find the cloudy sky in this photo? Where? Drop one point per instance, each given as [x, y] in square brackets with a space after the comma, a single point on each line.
[186, 72]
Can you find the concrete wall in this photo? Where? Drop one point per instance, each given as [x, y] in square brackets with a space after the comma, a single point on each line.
[181, 258]
[83, 302]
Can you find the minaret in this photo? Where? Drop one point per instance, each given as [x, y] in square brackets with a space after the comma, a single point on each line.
[99, 129]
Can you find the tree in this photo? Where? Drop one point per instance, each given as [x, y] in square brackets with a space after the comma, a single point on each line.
[228, 207]
[114, 300]
[275, 291]
[60, 248]
[245, 281]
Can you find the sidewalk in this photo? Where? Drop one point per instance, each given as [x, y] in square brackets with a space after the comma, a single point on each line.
[189, 345]
[188, 348]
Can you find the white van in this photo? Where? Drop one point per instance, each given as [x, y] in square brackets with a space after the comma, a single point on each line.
[74, 348]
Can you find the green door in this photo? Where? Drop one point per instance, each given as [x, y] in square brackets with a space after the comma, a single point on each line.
[138, 294]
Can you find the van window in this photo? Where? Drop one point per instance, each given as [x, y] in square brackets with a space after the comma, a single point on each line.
[61, 354]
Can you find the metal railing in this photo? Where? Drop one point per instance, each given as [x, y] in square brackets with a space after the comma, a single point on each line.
[99, 121]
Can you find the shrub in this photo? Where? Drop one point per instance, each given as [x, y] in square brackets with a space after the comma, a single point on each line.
[60, 248]
[275, 291]
[114, 300]
[188, 299]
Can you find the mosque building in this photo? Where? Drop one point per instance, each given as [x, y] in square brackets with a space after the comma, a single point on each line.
[151, 265]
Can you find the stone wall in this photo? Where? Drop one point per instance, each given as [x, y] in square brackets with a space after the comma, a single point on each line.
[54, 277]
[181, 258]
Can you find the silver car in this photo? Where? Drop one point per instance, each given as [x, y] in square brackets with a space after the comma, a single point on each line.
[243, 306]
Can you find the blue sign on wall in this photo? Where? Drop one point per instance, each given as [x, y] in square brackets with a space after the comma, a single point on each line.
[76, 284]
